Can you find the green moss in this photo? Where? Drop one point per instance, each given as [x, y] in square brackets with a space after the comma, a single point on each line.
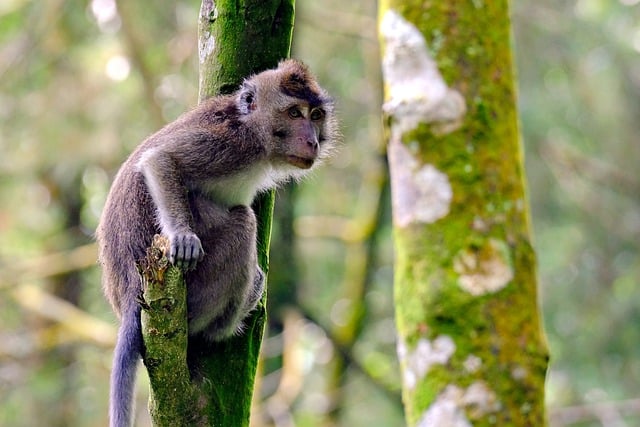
[250, 36]
[471, 44]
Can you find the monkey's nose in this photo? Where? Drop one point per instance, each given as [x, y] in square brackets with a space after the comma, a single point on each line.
[313, 143]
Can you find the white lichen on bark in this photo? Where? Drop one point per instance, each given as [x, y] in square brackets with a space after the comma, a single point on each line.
[207, 43]
[419, 193]
[484, 269]
[455, 405]
[416, 91]
[519, 373]
[417, 362]
[205, 47]
[472, 363]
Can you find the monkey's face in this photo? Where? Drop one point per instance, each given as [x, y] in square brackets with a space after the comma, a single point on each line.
[294, 113]
[297, 135]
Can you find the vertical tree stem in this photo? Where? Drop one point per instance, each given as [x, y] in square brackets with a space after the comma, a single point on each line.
[237, 39]
[470, 342]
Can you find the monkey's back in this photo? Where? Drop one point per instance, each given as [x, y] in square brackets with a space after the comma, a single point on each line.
[126, 229]
[128, 222]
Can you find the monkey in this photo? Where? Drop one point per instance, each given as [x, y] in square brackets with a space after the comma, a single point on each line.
[193, 181]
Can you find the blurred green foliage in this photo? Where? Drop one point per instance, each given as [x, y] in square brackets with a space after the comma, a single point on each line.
[82, 82]
[579, 79]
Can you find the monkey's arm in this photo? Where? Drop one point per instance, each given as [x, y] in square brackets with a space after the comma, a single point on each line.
[166, 186]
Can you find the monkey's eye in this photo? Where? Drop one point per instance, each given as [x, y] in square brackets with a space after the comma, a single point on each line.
[317, 114]
[295, 113]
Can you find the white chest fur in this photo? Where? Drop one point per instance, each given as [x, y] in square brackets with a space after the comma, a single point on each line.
[241, 187]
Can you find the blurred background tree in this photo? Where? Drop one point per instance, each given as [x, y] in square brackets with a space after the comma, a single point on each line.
[82, 82]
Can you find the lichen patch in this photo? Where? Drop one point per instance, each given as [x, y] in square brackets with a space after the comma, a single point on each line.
[446, 410]
[420, 193]
[417, 362]
[455, 405]
[206, 47]
[472, 363]
[484, 269]
[416, 91]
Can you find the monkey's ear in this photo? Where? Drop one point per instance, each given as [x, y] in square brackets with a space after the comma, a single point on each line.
[247, 98]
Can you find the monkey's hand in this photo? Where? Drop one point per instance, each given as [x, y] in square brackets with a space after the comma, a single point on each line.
[186, 250]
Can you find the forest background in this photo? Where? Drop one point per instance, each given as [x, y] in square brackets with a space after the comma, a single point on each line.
[82, 82]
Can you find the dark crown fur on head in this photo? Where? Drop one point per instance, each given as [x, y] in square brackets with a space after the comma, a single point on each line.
[298, 82]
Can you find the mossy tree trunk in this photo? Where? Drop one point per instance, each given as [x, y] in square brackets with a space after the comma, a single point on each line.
[235, 41]
[470, 342]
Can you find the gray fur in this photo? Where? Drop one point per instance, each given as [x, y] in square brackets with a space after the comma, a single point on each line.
[193, 181]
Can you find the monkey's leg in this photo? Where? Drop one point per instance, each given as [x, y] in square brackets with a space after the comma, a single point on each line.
[224, 280]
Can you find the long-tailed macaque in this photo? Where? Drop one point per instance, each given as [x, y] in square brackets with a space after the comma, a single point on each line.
[193, 181]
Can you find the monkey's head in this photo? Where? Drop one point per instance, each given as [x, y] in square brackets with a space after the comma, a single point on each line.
[294, 114]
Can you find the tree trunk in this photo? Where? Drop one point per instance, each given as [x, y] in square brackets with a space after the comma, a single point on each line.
[234, 42]
[470, 342]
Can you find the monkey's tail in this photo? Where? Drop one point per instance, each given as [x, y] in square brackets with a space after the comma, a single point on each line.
[123, 374]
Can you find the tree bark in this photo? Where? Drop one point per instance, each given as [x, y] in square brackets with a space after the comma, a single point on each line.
[235, 41]
[172, 400]
[470, 342]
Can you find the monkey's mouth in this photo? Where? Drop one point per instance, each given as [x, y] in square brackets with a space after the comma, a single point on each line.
[300, 162]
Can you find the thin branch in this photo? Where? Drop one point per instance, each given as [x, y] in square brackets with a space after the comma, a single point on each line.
[589, 200]
[346, 353]
[592, 169]
[74, 320]
[29, 343]
[31, 269]
[136, 54]
[588, 412]
[347, 24]
[278, 405]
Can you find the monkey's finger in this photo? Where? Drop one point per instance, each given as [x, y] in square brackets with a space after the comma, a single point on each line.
[190, 259]
[189, 251]
[177, 251]
[186, 253]
[197, 253]
[172, 253]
